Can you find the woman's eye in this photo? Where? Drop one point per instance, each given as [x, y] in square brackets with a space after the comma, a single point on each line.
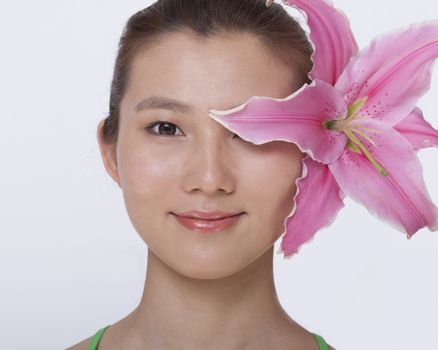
[164, 129]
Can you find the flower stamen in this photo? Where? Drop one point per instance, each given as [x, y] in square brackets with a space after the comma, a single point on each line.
[354, 144]
[367, 154]
[365, 136]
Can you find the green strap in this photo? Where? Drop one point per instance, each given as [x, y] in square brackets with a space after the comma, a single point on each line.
[94, 342]
[321, 342]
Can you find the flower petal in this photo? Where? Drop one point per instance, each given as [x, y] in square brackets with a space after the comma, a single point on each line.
[393, 72]
[330, 33]
[297, 118]
[401, 198]
[417, 130]
[316, 204]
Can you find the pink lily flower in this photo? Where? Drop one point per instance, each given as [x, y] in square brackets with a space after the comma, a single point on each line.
[357, 123]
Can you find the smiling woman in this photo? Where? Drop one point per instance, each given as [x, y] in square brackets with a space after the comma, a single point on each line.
[210, 205]
[195, 192]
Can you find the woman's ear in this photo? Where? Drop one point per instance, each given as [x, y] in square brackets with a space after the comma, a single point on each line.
[108, 154]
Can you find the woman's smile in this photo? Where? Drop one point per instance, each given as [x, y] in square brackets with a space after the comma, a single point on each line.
[208, 225]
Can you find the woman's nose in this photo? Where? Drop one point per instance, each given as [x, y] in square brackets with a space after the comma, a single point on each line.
[211, 166]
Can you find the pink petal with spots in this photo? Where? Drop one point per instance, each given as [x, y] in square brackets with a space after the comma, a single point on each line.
[297, 118]
[417, 130]
[393, 72]
[317, 202]
[401, 198]
[330, 33]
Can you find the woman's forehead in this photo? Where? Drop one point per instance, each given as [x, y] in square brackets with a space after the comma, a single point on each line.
[229, 69]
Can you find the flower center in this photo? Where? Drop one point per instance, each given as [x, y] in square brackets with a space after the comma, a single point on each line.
[351, 130]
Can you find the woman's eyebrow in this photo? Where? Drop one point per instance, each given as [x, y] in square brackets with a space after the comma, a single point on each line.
[162, 102]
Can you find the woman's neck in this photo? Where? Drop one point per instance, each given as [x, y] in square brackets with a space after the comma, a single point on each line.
[240, 311]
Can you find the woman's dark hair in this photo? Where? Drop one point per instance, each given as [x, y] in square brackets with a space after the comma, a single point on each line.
[274, 26]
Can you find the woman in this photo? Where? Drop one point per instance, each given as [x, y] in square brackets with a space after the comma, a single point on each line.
[209, 283]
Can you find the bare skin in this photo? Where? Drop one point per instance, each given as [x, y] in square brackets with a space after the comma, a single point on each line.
[211, 291]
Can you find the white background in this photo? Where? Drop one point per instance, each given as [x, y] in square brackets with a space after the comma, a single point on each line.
[70, 260]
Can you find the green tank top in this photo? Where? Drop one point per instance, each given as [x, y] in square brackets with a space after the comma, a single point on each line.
[94, 342]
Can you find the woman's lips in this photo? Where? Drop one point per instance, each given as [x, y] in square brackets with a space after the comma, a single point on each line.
[208, 226]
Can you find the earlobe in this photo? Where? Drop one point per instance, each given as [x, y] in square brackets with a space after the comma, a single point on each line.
[108, 154]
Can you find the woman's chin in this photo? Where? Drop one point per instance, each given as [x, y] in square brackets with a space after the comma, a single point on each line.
[215, 264]
[205, 265]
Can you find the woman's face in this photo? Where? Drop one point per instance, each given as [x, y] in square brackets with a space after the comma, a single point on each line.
[194, 163]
